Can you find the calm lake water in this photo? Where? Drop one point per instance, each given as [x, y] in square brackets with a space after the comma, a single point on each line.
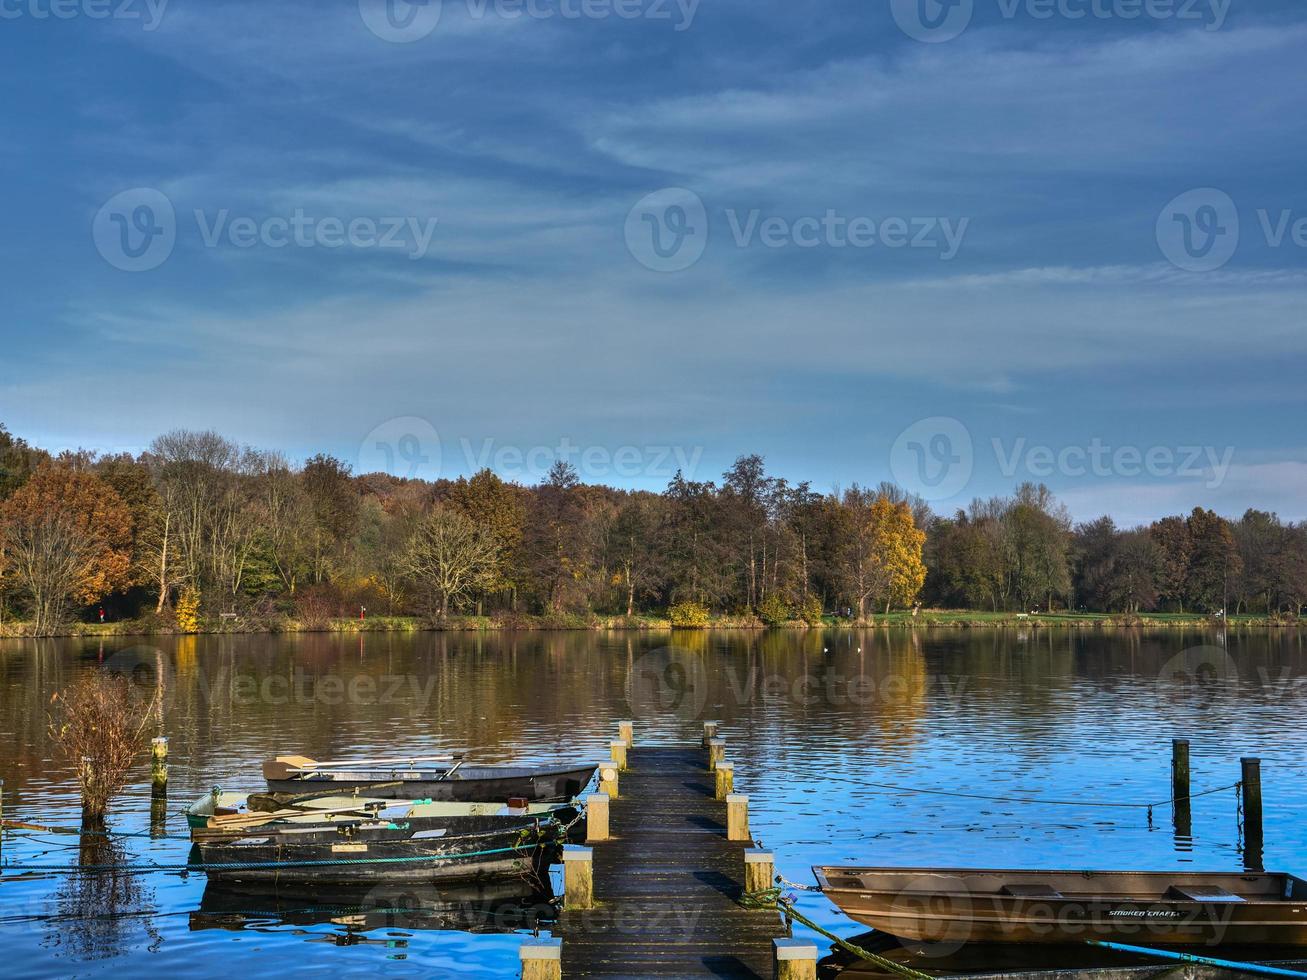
[812, 719]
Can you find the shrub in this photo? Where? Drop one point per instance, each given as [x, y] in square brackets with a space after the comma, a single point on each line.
[689, 615]
[774, 611]
[100, 726]
[188, 610]
[810, 611]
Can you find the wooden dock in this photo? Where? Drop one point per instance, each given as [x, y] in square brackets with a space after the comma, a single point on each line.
[666, 883]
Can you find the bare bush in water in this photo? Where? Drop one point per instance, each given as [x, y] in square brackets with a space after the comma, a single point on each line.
[101, 726]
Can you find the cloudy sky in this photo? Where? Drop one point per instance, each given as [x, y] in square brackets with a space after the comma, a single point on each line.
[959, 246]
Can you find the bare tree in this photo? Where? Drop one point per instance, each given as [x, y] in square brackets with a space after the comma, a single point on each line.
[450, 557]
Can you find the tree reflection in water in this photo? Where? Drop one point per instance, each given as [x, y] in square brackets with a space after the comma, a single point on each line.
[100, 911]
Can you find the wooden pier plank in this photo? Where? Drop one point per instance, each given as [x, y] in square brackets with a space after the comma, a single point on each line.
[666, 884]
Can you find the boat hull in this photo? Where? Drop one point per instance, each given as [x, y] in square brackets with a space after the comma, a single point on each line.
[474, 785]
[418, 850]
[956, 907]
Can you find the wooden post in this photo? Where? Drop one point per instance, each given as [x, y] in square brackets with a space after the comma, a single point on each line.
[542, 959]
[2, 818]
[795, 959]
[578, 878]
[709, 732]
[737, 817]
[618, 751]
[159, 764]
[716, 752]
[725, 779]
[626, 731]
[759, 870]
[1181, 808]
[1252, 814]
[608, 780]
[596, 818]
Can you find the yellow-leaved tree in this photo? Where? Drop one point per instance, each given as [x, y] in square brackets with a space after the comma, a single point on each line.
[882, 556]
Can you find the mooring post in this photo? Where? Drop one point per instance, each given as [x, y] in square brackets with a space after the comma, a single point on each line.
[1252, 814]
[596, 818]
[626, 731]
[795, 959]
[542, 959]
[725, 779]
[159, 765]
[759, 870]
[716, 752]
[1181, 808]
[578, 878]
[737, 817]
[709, 732]
[608, 780]
[618, 751]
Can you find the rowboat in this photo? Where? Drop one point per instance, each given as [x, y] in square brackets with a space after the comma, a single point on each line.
[1179, 908]
[344, 841]
[440, 778]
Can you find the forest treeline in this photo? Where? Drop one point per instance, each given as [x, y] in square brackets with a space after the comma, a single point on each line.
[199, 526]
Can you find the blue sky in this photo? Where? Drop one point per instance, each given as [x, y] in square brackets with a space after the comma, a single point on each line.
[501, 294]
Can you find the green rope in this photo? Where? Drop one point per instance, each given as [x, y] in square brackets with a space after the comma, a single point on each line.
[772, 899]
[253, 865]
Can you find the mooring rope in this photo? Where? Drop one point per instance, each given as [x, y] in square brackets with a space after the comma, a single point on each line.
[1024, 799]
[773, 899]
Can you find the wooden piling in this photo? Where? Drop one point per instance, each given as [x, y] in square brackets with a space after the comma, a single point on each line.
[759, 870]
[618, 752]
[596, 818]
[795, 959]
[578, 878]
[1251, 790]
[709, 732]
[716, 752]
[1181, 806]
[725, 779]
[608, 780]
[737, 817]
[542, 959]
[626, 731]
[159, 765]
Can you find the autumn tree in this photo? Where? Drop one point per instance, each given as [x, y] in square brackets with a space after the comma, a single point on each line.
[450, 557]
[497, 506]
[883, 553]
[67, 538]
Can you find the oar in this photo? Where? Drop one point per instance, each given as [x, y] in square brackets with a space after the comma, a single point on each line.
[1162, 954]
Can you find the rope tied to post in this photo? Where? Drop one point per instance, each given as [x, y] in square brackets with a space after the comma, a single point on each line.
[774, 899]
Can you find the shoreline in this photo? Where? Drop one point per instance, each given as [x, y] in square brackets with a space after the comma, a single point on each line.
[937, 619]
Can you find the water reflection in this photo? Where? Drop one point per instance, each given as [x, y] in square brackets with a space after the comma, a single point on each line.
[104, 910]
[816, 722]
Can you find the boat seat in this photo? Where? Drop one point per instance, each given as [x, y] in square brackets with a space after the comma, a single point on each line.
[1031, 891]
[1202, 893]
